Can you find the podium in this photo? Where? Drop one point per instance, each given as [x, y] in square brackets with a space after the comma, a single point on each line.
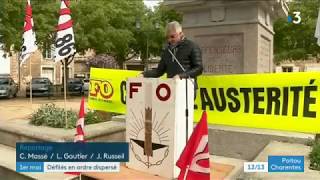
[156, 123]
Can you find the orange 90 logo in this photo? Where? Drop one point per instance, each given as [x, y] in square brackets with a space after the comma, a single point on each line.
[102, 88]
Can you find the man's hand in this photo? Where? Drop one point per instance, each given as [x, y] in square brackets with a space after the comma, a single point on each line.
[140, 75]
[176, 77]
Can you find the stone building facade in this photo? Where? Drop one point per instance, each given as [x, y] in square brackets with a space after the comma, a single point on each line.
[298, 66]
[43, 65]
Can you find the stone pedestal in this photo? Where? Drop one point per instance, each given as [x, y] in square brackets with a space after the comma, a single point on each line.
[235, 36]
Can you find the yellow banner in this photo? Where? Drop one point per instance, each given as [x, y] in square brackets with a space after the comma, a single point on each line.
[107, 90]
[283, 101]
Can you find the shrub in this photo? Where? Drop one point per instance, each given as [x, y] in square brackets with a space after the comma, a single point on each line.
[52, 116]
[315, 156]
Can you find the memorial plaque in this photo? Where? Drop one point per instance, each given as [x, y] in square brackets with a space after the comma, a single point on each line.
[222, 54]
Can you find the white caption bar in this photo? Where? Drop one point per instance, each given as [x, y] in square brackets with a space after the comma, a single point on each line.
[255, 167]
[81, 167]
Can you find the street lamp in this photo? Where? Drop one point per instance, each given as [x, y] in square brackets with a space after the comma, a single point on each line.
[138, 26]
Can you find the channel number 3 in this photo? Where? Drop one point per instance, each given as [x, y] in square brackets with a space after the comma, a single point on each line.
[297, 17]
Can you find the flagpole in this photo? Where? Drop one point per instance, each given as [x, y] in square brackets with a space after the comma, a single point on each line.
[19, 72]
[65, 90]
[30, 75]
[65, 45]
[317, 35]
[186, 173]
[187, 112]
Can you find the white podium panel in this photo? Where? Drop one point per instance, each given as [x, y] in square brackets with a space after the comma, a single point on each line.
[156, 123]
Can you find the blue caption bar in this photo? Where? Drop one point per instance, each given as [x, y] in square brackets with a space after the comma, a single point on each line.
[29, 166]
[286, 164]
[72, 152]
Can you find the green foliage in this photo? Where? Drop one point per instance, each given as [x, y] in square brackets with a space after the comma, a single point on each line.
[105, 26]
[92, 117]
[11, 16]
[108, 27]
[315, 156]
[296, 41]
[155, 35]
[45, 17]
[52, 116]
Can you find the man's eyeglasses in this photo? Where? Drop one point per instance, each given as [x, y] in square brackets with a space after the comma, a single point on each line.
[172, 36]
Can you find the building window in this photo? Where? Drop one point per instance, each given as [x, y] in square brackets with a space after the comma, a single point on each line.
[287, 69]
[48, 52]
[48, 72]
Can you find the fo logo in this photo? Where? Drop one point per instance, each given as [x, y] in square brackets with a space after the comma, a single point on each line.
[102, 88]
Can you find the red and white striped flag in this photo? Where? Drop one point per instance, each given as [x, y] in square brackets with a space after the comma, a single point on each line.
[64, 44]
[28, 38]
[79, 137]
[194, 160]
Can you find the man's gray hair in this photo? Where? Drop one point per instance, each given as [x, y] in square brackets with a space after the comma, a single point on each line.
[173, 26]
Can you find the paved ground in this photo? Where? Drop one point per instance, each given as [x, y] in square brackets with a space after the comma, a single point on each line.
[21, 108]
[285, 149]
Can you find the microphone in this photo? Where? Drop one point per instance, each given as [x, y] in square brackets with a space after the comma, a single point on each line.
[176, 60]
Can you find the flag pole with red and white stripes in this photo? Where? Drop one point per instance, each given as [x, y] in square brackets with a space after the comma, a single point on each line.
[79, 137]
[28, 43]
[64, 44]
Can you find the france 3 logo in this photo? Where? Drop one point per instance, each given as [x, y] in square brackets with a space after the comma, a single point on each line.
[295, 18]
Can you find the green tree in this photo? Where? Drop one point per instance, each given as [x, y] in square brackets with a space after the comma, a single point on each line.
[108, 27]
[11, 15]
[45, 14]
[151, 31]
[296, 41]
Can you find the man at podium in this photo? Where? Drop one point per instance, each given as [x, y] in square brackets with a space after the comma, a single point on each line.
[180, 58]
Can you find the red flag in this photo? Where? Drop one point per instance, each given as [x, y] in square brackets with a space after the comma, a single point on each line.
[28, 38]
[194, 160]
[79, 136]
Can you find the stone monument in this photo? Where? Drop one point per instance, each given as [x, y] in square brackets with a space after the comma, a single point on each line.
[236, 36]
